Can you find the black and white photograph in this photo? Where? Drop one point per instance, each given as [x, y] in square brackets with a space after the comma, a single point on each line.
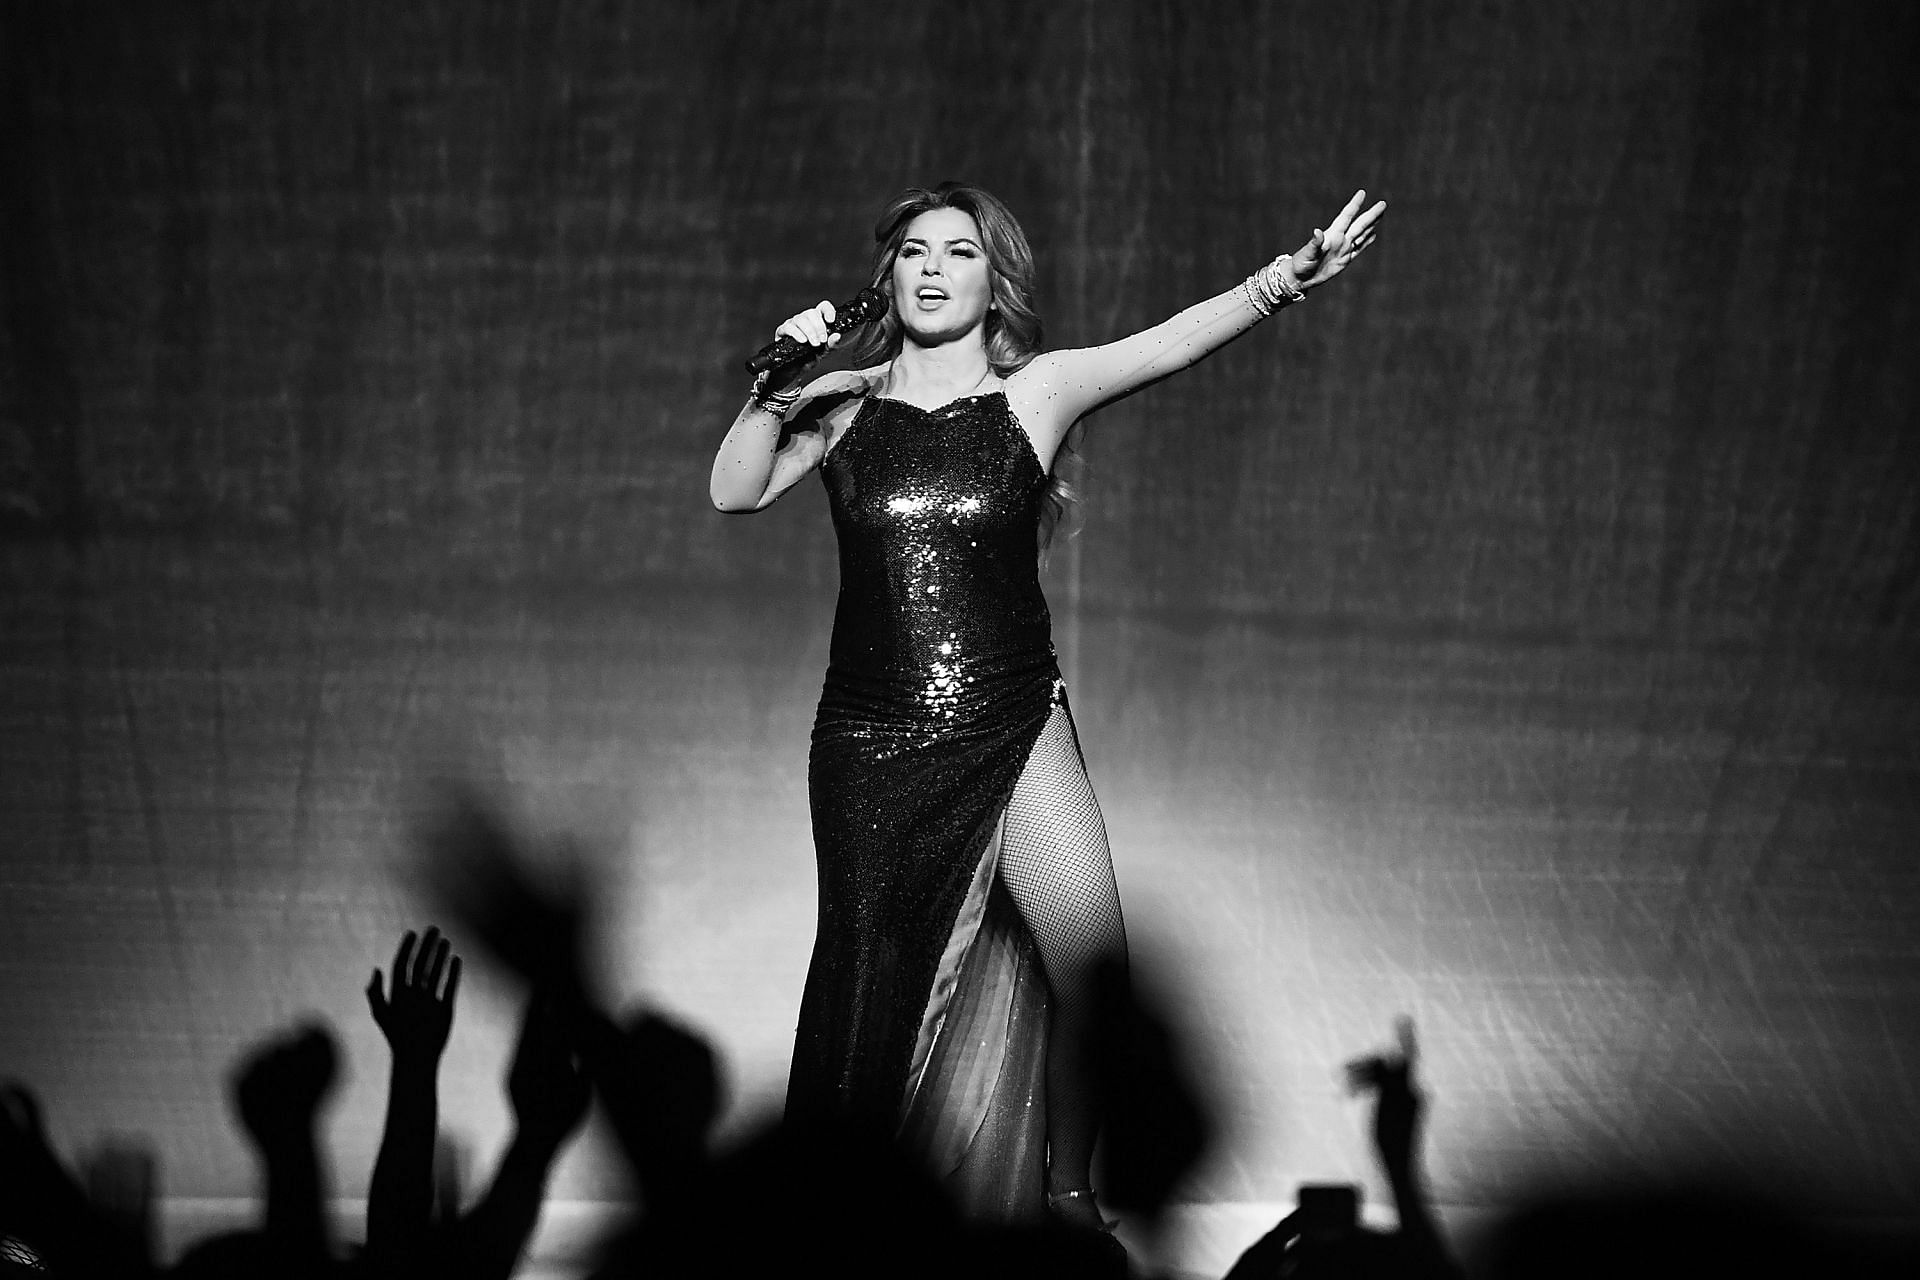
[1174, 639]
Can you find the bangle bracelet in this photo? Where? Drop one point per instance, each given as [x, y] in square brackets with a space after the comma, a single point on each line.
[1255, 299]
[1269, 289]
[774, 402]
[1280, 271]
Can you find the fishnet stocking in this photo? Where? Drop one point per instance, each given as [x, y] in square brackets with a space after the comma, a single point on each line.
[1055, 863]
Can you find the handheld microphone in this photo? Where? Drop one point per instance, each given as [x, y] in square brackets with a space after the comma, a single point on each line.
[866, 306]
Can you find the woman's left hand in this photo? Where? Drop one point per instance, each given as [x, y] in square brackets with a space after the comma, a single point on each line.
[1331, 251]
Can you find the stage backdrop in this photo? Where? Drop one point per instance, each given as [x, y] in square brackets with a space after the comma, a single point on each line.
[1519, 635]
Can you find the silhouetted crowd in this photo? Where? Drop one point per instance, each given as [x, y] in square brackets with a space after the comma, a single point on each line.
[786, 1201]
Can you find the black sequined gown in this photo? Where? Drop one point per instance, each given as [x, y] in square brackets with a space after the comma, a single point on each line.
[922, 1010]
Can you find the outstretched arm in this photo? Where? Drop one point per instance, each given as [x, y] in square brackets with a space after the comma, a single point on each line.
[1058, 388]
[415, 1014]
[549, 1093]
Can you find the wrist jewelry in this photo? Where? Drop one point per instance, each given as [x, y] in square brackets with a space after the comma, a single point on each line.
[1270, 288]
[774, 402]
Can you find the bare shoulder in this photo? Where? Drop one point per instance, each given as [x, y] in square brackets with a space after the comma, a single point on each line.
[832, 399]
[843, 382]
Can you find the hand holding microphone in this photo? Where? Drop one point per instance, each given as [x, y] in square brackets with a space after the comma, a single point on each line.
[805, 337]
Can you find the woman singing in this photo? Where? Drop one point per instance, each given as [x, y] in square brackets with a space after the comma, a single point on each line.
[957, 837]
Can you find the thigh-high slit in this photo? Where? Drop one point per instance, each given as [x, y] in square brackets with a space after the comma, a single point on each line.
[1041, 914]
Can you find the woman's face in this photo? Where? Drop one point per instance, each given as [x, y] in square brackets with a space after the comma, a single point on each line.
[942, 285]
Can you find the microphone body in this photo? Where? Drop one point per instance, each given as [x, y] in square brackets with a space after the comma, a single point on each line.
[783, 352]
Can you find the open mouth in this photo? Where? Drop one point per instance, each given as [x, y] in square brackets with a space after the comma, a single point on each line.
[930, 295]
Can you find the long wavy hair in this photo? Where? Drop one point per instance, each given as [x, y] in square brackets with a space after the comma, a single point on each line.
[1012, 329]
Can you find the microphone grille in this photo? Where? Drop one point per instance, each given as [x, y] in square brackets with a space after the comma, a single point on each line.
[869, 305]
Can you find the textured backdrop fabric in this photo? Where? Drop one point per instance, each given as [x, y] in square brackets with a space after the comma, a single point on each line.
[1520, 634]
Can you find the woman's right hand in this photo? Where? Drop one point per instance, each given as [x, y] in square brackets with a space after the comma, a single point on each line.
[809, 328]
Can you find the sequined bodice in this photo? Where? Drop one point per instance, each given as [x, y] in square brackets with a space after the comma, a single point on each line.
[941, 681]
[937, 514]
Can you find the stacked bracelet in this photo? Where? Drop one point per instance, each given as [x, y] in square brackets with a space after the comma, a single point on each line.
[774, 402]
[1272, 287]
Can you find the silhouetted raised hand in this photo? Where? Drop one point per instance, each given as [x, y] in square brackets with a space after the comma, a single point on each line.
[280, 1087]
[480, 870]
[548, 1089]
[1398, 1110]
[1308, 1245]
[417, 1016]
[278, 1092]
[547, 1083]
[660, 1085]
[415, 1013]
[1398, 1106]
